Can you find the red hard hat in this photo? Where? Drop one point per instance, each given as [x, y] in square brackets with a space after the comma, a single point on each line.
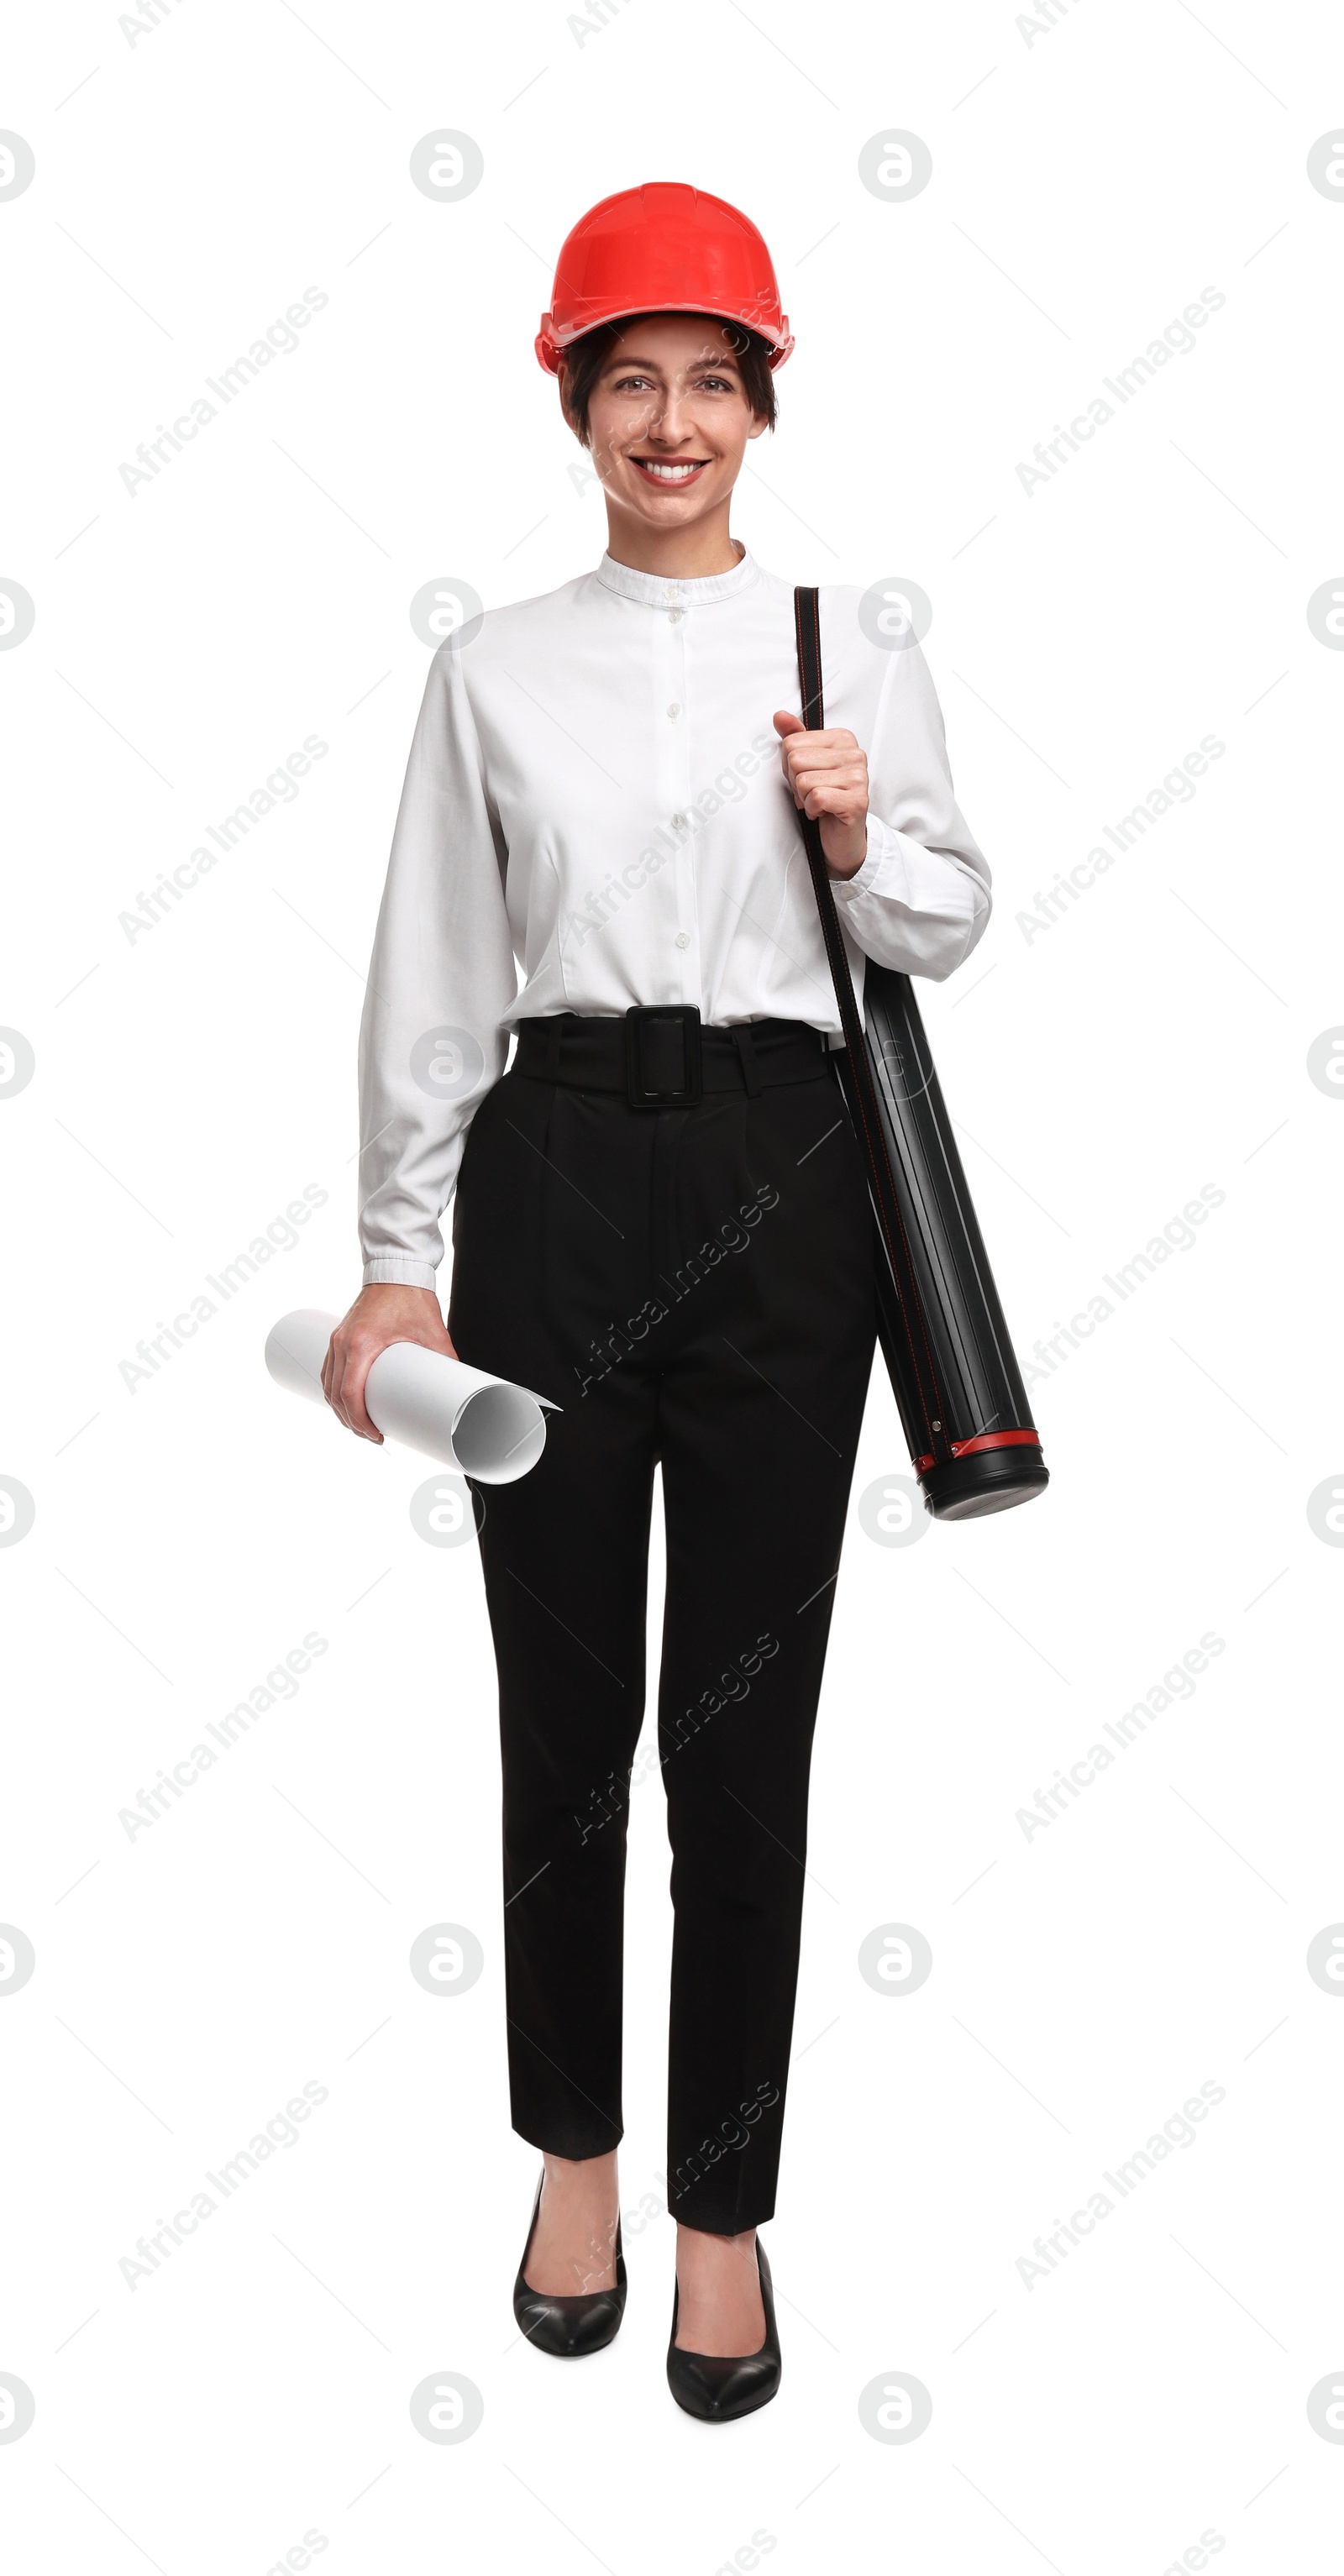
[662, 248]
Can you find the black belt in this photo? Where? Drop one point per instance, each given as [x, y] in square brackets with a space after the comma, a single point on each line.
[662, 1057]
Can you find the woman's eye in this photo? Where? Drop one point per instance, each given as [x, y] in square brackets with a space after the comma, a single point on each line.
[644, 384]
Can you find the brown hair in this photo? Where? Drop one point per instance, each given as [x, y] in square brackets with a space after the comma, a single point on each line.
[585, 358]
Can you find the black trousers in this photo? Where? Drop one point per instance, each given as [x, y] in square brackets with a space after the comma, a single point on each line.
[694, 1286]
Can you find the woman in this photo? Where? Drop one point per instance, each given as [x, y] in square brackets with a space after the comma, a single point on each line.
[661, 1223]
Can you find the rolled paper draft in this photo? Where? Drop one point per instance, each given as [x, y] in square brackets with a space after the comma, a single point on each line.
[481, 1425]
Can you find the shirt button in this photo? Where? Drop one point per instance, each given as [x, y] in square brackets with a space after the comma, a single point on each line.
[673, 614]
[683, 939]
[678, 822]
[674, 709]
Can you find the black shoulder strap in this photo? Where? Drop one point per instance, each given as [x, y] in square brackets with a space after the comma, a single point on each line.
[807, 621]
[861, 1089]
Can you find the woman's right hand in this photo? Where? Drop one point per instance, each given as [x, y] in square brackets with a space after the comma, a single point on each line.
[379, 1316]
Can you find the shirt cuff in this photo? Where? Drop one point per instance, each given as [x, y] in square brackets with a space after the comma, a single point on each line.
[393, 1270]
[864, 879]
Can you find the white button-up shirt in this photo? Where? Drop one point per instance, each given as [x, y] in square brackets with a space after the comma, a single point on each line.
[595, 815]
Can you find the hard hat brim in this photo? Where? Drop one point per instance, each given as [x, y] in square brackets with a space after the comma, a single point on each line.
[551, 349]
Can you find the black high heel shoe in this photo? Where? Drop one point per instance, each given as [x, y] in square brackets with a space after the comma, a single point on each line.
[718, 2387]
[576, 2323]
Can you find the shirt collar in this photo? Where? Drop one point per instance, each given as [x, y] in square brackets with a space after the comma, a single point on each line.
[656, 591]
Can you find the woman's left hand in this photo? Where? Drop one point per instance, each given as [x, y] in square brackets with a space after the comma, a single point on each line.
[828, 775]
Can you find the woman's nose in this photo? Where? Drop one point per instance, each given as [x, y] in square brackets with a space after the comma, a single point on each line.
[670, 423]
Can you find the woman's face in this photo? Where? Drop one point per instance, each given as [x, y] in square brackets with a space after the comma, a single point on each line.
[668, 420]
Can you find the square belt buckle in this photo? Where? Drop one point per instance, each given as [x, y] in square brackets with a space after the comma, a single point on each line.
[662, 1055]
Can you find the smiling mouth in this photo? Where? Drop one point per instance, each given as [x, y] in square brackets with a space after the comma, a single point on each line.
[669, 475]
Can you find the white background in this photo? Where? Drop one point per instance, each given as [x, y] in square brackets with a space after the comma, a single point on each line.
[1089, 179]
